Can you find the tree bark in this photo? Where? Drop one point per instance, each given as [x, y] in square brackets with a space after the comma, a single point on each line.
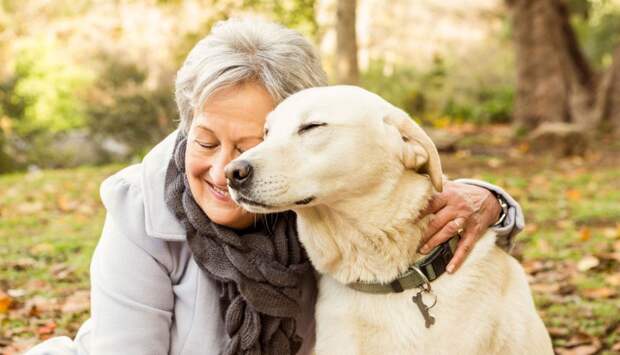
[554, 80]
[347, 71]
[609, 95]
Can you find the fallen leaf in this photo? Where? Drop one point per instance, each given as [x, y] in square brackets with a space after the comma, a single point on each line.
[533, 267]
[598, 293]
[573, 194]
[65, 204]
[18, 292]
[584, 234]
[29, 207]
[588, 262]
[42, 249]
[39, 305]
[557, 332]
[579, 350]
[495, 162]
[76, 303]
[47, 329]
[613, 279]
[523, 148]
[545, 287]
[611, 232]
[580, 344]
[5, 302]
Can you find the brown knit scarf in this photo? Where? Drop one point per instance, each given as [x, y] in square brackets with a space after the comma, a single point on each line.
[259, 271]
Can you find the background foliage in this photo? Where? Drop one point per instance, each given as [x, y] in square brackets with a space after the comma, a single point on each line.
[86, 87]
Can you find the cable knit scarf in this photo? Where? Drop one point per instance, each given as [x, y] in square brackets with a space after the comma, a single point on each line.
[258, 271]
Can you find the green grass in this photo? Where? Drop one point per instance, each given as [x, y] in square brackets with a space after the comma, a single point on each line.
[50, 223]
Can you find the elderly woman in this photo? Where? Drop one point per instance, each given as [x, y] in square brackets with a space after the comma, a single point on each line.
[181, 269]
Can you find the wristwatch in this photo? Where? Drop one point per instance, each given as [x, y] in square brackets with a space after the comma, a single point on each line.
[504, 205]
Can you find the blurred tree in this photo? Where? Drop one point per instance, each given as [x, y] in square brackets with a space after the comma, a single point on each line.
[555, 79]
[347, 71]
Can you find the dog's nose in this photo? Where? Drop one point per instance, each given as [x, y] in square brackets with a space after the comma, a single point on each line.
[238, 173]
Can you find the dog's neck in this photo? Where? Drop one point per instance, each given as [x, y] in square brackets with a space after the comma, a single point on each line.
[371, 238]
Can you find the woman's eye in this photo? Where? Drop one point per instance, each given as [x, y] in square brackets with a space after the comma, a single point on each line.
[308, 126]
[207, 145]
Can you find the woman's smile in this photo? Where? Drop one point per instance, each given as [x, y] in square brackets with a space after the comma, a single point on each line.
[220, 194]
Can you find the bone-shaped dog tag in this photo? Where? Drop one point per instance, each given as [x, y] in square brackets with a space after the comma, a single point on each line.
[428, 319]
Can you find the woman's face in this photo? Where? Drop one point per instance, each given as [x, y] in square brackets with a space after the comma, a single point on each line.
[230, 123]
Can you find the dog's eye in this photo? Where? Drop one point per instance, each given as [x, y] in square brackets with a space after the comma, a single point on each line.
[308, 126]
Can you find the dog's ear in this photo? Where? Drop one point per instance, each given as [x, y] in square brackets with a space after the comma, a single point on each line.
[419, 151]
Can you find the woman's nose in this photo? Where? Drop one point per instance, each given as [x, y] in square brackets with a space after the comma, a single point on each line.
[217, 173]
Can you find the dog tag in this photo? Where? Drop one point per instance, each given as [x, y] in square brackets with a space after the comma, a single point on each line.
[428, 319]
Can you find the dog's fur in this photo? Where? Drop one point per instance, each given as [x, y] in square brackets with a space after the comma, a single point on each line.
[358, 180]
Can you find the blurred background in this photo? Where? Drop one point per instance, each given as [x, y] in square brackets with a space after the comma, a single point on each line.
[522, 93]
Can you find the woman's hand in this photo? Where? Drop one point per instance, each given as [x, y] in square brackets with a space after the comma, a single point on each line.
[460, 207]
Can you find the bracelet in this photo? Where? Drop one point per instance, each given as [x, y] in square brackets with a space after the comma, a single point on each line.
[504, 205]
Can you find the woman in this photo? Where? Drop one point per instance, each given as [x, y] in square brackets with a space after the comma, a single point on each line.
[179, 268]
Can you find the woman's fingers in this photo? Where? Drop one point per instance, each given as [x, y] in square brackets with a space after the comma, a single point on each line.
[468, 239]
[448, 230]
[437, 222]
[436, 203]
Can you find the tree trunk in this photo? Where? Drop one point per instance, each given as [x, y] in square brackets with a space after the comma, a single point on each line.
[609, 95]
[347, 71]
[554, 80]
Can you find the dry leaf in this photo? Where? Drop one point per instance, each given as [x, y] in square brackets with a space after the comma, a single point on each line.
[42, 249]
[17, 292]
[29, 207]
[39, 305]
[613, 279]
[573, 194]
[611, 232]
[65, 204]
[76, 303]
[557, 332]
[588, 262]
[5, 302]
[598, 293]
[546, 287]
[47, 329]
[579, 350]
[584, 234]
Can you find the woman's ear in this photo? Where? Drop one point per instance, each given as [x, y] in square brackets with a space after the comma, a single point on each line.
[418, 150]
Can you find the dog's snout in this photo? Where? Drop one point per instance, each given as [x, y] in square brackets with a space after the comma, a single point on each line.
[238, 173]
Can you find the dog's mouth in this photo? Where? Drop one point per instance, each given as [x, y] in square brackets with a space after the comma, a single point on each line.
[257, 206]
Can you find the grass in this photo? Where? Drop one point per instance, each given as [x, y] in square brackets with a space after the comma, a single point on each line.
[50, 222]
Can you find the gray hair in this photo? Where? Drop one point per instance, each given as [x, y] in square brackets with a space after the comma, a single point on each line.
[240, 50]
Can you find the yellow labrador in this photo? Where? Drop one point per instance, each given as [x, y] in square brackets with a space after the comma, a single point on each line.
[358, 171]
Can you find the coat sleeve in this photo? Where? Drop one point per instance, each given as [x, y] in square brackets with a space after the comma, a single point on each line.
[514, 221]
[131, 291]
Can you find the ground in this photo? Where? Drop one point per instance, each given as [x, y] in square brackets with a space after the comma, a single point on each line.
[50, 222]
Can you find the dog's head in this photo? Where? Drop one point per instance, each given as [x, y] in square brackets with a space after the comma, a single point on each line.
[323, 145]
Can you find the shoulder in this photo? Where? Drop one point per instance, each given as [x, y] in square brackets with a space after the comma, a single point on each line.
[123, 199]
[121, 195]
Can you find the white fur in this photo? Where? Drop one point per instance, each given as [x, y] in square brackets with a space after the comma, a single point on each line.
[367, 188]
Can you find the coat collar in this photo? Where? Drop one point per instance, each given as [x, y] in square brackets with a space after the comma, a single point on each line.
[160, 222]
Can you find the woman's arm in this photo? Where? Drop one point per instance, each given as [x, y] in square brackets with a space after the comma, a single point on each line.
[471, 206]
[131, 293]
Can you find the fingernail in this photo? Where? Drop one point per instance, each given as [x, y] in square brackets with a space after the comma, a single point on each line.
[424, 249]
[450, 268]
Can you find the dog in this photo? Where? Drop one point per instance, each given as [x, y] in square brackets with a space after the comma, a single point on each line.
[358, 171]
